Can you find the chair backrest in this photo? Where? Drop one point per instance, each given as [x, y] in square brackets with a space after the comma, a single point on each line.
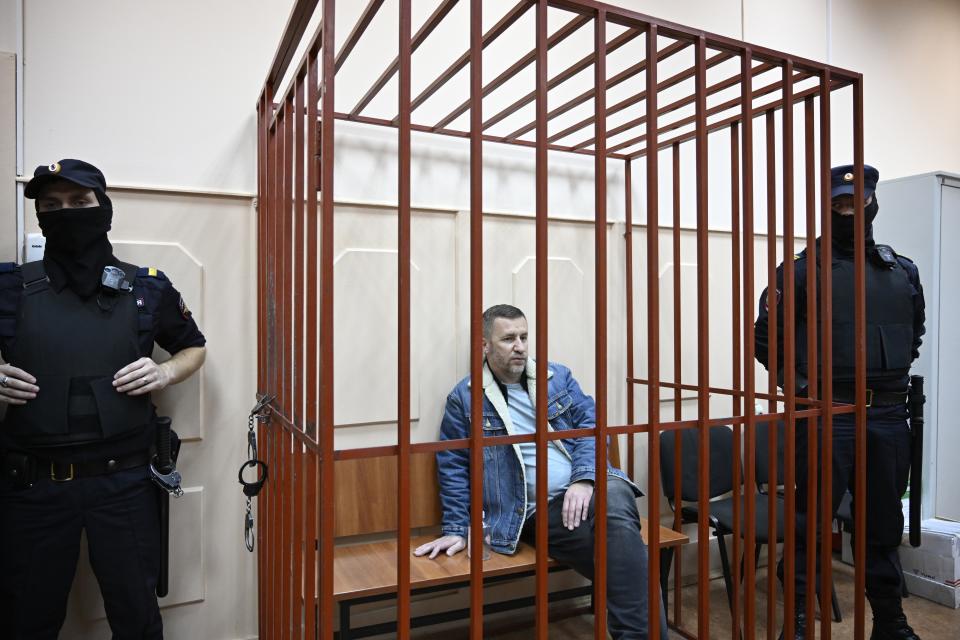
[762, 452]
[721, 462]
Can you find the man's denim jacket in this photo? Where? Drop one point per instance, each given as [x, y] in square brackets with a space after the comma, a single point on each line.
[504, 482]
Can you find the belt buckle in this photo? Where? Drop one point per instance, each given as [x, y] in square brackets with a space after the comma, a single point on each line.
[53, 473]
[869, 397]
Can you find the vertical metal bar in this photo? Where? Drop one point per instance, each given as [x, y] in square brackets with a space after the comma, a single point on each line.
[310, 550]
[403, 327]
[296, 416]
[628, 272]
[773, 304]
[826, 357]
[860, 322]
[325, 426]
[284, 580]
[297, 540]
[542, 307]
[476, 315]
[273, 529]
[703, 343]
[677, 391]
[600, 357]
[749, 347]
[262, 119]
[268, 514]
[313, 180]
[789, 357]
[311, 417]
[736, 373]
[287, 250]
[810, 424]
[653, 333]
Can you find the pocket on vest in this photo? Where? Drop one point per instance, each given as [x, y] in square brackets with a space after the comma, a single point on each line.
[44, 415]
[118, 411]
[897, 346]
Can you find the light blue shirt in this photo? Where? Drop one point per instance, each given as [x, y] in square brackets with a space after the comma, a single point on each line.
[524, 417]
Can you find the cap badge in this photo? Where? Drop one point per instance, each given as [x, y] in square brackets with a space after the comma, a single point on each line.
[848, 177]
[54, 168]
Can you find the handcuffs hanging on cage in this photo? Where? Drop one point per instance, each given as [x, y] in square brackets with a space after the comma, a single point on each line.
[259, 413]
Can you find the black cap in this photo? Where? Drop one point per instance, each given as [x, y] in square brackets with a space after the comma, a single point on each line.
[76, 171]
[841, 180]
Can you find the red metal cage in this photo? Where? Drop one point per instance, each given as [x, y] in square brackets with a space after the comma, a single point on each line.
[296, 220]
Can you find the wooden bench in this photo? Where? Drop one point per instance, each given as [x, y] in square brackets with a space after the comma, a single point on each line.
[367, 572]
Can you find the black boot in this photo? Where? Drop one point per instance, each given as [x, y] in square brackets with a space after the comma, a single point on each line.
[799, 626]
[889, 621]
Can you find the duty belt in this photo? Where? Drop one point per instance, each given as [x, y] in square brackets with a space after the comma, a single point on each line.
[847, 395]
[61, 471]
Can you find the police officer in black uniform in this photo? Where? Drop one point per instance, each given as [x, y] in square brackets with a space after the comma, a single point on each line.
[76, 333]
[895, 324]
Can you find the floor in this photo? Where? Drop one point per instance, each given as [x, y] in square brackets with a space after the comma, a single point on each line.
[930, 620]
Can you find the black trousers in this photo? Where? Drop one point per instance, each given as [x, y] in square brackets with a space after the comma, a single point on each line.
[40, 541]
[888, 469]
[627, 604]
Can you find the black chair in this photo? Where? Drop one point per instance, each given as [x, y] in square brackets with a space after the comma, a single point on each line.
[720, 516]
[765, 485]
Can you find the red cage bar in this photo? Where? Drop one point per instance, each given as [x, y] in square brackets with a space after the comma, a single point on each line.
[297, 208]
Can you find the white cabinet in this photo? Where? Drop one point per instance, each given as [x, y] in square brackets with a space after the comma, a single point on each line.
[920, 218]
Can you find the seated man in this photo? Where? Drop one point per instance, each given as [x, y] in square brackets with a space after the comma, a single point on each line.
[509, 387]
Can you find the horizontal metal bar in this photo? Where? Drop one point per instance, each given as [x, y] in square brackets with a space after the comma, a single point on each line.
[383, 122]
[431, 23]
[495, 32]
[673, 106]
[562, 77]
[632, 100]
[624, 75]
[365, 19]
[635, 19]
[723, 124]
[562, 34]
[720, 108]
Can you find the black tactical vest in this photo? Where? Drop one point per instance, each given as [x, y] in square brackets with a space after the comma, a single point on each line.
[889, 336]
[73, 347]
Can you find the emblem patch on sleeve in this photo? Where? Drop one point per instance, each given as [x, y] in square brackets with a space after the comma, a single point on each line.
[766, 301]
[184, 311]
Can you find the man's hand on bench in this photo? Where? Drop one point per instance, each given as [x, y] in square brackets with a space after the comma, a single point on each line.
[450, 544]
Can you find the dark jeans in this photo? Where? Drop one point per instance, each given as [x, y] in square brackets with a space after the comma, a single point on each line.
[888, 467]
[627, 605]
[40, 542]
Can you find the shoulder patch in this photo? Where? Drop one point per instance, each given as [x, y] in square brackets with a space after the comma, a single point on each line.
[184, 311]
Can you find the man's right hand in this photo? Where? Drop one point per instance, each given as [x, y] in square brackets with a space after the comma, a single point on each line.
[16, 385]
[450, 544]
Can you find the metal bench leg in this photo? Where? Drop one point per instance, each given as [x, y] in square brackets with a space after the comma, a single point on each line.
[666, 559]
[344, 620]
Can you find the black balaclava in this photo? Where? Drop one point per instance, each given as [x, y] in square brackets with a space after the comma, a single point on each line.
[77, 247]
[842, 227]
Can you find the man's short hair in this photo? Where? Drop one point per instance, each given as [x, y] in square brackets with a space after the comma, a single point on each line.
[507, 311]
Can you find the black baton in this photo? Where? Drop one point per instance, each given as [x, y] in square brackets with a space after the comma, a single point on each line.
[916, 401]
[164, 465]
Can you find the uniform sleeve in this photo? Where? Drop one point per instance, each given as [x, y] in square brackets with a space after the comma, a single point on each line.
[919, 306]
[11, 288]
[761, 327]
[176, 328]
